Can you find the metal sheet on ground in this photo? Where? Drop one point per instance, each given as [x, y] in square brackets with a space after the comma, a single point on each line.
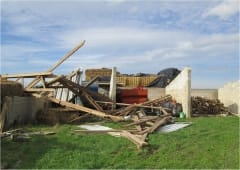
[173, 127]
[94, 127]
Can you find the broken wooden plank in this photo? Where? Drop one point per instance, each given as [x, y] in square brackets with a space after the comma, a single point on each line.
[82, 108]
[136, 140]
[54, 80]
[39, 90]
[129, 108]
[26, 75]
[102, 131]
[159, 123]
[33, 82]
[78, 118]
[65, 57]
[9, 132]
[43, 82]
[90, 99]
[73, 86]
[92, 81]
[135, 105]
[61, 109]
[145, 120]
[135, 118]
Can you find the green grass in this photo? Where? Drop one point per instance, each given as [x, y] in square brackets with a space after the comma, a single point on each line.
[207, 143]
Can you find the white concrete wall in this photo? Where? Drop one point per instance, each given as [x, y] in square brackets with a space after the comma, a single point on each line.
[229, 95]
[206, 93]
[180, 89]
[155, 92]
[20, 110]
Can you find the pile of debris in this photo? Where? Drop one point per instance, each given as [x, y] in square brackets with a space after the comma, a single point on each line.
[23, 135]
[66, 94]
[144, 124]
[138, 135]
[204, 106]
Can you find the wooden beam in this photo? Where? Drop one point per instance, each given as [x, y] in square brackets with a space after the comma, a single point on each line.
[92, 81]
[90, 99]
[39, 90]
[156, 125]
[74, 73]
[71, 86]
[139, 142]
[43, 82]
[84, 109]
[65, 57]
[33, 82]
[54, 80]
[18, 78]
[62, 109]
[26, 75]
[141, 121]
[101, 131]
[78, 118]
[36, 80]
[159, 123]
[135, 105]
[135, 118]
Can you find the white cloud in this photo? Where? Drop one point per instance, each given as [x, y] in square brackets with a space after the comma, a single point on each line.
[224, 10]
[127, 37]
[134, 36]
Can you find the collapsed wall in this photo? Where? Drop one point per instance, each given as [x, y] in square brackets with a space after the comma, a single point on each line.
[20, 110]
[180, 89]
[229, 95]
[16, 107]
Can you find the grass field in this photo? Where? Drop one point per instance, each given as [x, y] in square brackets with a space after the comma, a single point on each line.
[207, 143]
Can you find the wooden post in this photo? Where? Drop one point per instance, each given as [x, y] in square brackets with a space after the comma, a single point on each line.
[65, 57]
[113, 86]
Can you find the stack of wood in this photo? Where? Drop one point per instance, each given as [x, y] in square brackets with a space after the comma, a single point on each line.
[202, 105]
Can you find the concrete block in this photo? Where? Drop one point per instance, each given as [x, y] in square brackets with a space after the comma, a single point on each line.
[180, 89]
[21, 110]
[155, 92]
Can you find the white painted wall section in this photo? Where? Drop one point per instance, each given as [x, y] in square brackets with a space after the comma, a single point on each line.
[180, 89]
[229, 95]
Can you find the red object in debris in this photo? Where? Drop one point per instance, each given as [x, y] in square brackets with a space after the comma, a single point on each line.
[135, 95]
[132, 100]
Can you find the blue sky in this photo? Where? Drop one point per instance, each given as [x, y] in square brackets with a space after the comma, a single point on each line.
[135, 36]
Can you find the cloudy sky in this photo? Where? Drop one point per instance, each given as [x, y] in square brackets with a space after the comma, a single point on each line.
[135, 36]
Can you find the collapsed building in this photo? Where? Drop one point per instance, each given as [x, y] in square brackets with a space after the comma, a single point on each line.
[149, 100]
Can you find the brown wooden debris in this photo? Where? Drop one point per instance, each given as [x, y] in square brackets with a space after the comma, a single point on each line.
[203, 106]
[135, 139]
[155, 102]
[84, 109]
